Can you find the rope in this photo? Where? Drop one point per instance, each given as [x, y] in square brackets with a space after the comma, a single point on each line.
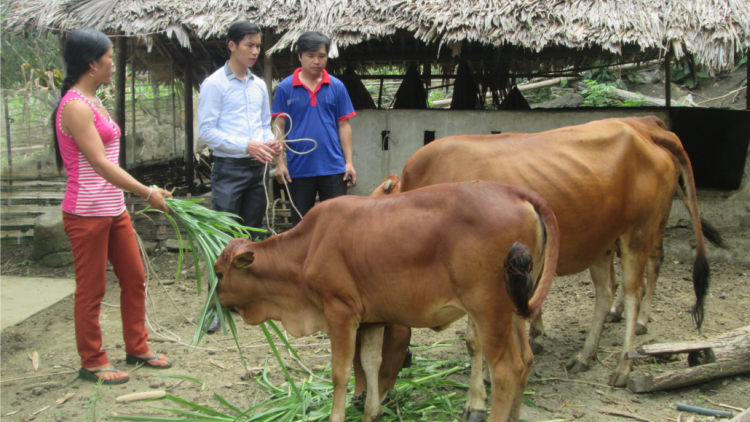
[280, 138]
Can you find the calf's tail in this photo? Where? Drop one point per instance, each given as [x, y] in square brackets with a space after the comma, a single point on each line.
[519, 281]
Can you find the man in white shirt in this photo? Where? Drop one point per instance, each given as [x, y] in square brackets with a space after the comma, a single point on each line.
[235, 120]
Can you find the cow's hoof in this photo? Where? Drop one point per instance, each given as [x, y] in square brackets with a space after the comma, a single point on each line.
[575, 367]
[358, 401]
[613, 317]
[640, 329]
[618, 380]
[536, 348]
[474, 415]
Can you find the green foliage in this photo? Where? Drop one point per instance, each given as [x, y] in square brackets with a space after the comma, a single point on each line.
[41, 53]
[539, 95]
[603, 95]
[604, 77]
[422, 392]
[210, 231]
[681, 74]
[598, 95]
[435, 95]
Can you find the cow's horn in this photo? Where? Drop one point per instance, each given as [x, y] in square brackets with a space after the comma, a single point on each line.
[388, 185]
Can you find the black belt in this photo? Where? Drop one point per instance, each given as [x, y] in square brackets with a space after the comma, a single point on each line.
[248, 161]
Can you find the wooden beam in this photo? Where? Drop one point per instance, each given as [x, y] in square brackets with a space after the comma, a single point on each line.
[188, 94]
[120, 77]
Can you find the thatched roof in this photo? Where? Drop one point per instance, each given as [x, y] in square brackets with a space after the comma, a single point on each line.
[713, 31]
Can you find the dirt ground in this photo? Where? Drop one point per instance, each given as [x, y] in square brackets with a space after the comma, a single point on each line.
[568, 312]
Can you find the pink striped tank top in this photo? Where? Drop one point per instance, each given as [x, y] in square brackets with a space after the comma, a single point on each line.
[87, 193]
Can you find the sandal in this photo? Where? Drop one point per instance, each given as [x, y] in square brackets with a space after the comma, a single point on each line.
[87, 375]
[135, 360]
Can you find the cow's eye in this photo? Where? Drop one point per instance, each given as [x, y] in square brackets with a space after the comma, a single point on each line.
[219, 276]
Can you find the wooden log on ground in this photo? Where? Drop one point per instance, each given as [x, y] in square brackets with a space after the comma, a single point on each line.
[690, 376]
[724, 356]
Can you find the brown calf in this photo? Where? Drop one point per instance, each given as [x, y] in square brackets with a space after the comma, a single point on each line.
[419, 259]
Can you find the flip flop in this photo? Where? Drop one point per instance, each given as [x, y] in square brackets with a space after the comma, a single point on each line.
[135, 360]
[87, 375]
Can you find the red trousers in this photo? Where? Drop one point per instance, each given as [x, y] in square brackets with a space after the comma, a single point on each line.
[95, 241]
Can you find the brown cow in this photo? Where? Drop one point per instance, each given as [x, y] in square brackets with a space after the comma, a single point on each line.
[610, 184]
[442, 256]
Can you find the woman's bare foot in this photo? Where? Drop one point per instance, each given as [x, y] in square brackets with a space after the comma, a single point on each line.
[108, 375]
[162, 361]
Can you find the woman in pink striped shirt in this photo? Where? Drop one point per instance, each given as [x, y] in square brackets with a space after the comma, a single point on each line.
[87, 143]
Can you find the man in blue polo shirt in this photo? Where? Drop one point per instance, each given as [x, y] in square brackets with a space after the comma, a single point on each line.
[320, 108]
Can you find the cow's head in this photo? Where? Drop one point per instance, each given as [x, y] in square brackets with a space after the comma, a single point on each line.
[235, 280]
[391, 185]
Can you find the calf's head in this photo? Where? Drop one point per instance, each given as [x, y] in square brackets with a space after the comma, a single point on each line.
[235, 280]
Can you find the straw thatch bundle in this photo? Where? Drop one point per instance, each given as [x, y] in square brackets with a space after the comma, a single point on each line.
[466, 93]
[411, 94]
[713, 30]
[361, 98]
[514, 101]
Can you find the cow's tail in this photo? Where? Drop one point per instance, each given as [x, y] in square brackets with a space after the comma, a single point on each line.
[519, 282]
[671, 143]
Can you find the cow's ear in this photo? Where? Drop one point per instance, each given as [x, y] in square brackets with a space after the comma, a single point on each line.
[243, 260]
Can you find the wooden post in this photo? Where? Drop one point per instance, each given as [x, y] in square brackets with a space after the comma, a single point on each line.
[132, 95]
[120, 76]
[747, 90]
[188, 92]
[268, 62]
[380, 93]
[174, 117]
[7, 134]
[668, 78]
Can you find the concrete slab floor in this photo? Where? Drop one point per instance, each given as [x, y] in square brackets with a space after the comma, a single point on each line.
[22, 297]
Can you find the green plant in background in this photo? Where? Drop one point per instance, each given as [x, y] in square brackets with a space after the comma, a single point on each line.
[603, 95]
[682, 74]
[435, 95]
[540, 95]
[598, 95]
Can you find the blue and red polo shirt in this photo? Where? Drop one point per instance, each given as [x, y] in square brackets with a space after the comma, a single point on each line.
[316, 115]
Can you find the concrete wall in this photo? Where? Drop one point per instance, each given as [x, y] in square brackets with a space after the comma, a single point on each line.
[373, 165]
[407, 129]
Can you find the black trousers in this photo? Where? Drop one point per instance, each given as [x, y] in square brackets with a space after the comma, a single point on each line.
[304, 189]
[237, 187]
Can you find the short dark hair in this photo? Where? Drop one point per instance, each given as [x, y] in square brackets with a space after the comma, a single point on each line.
[311, 41]
[238, 31]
